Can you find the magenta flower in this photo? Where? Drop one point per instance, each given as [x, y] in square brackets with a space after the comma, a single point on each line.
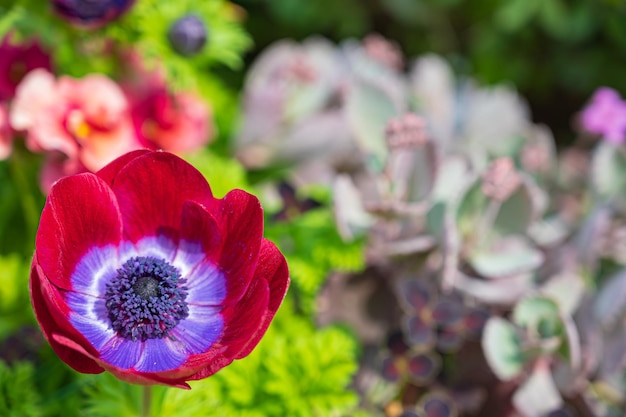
[606, 115]
[173, 122]
[91, 13]
[17, 59]
[6, 134]
[140, 271]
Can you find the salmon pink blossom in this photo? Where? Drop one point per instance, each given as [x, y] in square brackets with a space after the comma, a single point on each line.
[86, 119]
[140, 271]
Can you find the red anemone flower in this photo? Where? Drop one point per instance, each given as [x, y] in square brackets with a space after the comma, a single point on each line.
[140, 271]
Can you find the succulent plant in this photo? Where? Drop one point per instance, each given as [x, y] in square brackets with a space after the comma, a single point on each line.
[507, 256]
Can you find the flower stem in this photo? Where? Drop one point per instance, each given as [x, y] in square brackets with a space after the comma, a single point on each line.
[27, 199]
[146, 401]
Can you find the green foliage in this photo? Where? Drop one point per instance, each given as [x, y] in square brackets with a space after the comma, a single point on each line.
[14, 299]
[107, 396]
[148, 22]
[295, 371]
[222, 173]
[18, 395]
[20, 202]
[313, 248]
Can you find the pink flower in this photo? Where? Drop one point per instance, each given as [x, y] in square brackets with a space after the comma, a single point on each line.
[86, 119]
[6, 135]
[606, 115]
[175, 122]
[16, 60]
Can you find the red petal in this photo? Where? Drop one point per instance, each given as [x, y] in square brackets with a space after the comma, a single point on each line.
[241, 218]
[80, 213]
[202, 365]
[243, 320]
[151, 190]
[199, 226]
[272, 268]
[110, 171]
[50, 311]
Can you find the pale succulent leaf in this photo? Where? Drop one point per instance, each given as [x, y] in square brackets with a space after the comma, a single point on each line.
[608, 170]
[350, 215]
[531, 311]
[538, 395]
[566, 289]
[516, 213]
[368, 109]
[503, 348]
[507, 256]
[610, 304]
[503, 291]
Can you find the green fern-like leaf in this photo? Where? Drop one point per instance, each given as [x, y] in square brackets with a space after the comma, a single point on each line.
[107, 396]
[14, 298]
[296, 370]
[148, 23]
[8, 16]
[18, 396]
[313, 249]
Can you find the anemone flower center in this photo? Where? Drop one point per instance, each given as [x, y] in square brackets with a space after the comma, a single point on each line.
[146, 299]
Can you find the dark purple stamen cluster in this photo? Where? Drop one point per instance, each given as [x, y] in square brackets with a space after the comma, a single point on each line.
[146, 299]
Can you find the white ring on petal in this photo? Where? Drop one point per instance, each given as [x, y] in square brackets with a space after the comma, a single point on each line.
[97, 267]
[206, 285]
[89, 317]
[157, 246]
[188, 256]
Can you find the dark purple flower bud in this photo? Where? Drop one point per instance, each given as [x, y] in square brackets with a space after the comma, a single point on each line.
[91, 13]
[188, 35]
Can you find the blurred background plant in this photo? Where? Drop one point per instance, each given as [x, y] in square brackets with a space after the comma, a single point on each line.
[445, 178]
